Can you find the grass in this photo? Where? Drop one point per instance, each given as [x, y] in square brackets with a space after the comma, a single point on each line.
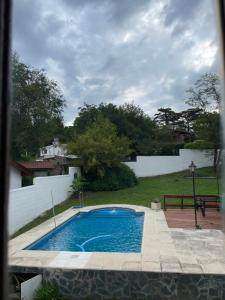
[148, 189]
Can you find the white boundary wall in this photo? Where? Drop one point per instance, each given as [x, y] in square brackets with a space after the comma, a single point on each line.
[27, 203]
[157, 165]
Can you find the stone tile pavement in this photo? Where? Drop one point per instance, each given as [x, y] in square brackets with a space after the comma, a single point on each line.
[163, 249]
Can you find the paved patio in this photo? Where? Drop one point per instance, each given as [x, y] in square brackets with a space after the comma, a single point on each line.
[163, 249]
[184, 218]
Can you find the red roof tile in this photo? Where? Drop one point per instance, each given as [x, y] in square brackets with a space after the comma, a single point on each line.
[37, 165]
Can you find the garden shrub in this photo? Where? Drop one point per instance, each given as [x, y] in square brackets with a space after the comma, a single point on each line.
[78, 185]
[48, 292]
[27, 180]
[199, 145]
[167, 149]
[115, 178]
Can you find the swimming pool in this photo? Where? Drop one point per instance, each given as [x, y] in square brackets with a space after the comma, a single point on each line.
[111, 229]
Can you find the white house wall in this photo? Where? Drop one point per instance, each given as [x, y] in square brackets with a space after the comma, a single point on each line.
[27, 203]
[15, 178]
[52, 151]
[157, 165]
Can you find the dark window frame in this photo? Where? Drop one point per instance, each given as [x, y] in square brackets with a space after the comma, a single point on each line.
[5, 50]
[5, 78]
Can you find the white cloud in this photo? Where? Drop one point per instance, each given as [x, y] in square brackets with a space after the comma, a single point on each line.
[201, 55]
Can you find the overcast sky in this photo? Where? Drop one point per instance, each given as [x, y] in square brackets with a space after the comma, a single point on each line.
[143, 51]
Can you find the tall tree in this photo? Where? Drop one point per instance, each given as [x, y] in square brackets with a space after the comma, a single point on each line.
[205, 94]
[208, 128]
[66, 135]
[36, 109]
[189, 116]
[129, 119]
[99, 147]
[166, 116]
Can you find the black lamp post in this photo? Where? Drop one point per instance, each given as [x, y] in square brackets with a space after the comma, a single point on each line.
[192, 169]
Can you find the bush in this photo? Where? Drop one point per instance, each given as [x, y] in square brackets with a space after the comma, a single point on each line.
[27, 180]
[199, 145]
[48, 292]
[115, 178]
[167, 149]
[78, 185]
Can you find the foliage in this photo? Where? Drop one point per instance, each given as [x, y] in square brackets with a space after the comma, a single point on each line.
[208, 127]
[167, 148]
[199, 145]
[168, 119]
[67, 134]
[147, 136]
[26, 157]
[48, 292]
[156, 200]
[99, 147]
[115, 178]
[206, 96]
[36, 109]
[163, 134]
[187, 117]
[27, 180]
[206, 93]
[166, 116]
[130, 121]
[165, 142]
[78, 184]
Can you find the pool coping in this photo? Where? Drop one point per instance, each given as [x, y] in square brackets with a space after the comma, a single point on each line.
[160, 251]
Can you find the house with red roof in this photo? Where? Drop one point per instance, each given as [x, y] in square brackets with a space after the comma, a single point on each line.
[17, 171]
[40, 168]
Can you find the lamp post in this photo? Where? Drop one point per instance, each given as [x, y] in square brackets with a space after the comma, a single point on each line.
[192, 169]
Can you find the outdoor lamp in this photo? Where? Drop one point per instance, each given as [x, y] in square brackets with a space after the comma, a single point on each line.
[192, 167]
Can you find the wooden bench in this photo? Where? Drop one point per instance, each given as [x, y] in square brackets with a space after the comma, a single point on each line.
[182, 199]
[208, 201]
[203, 201]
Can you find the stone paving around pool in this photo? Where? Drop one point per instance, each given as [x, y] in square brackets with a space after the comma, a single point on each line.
[164, 250]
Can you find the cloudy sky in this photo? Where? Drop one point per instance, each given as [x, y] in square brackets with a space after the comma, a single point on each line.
[143, 51]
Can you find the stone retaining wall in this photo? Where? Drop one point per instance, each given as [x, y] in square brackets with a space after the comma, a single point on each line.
[93, 284]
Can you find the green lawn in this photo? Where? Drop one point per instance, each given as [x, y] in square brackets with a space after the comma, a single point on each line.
[147, 189]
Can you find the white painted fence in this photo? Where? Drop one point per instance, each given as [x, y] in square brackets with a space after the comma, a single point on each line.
[27, 203]
[157, 165]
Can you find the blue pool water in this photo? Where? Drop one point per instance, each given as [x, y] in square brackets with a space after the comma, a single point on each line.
[102, 230]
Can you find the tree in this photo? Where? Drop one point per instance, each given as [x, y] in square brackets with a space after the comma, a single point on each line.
[199, 145]
[99, 147]
[205, 94]
[67, 134]
[166, 116]
[36, 109]
[164, 142]
[189, 116]
[138, 127]
[129, 119]
[208, 128]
